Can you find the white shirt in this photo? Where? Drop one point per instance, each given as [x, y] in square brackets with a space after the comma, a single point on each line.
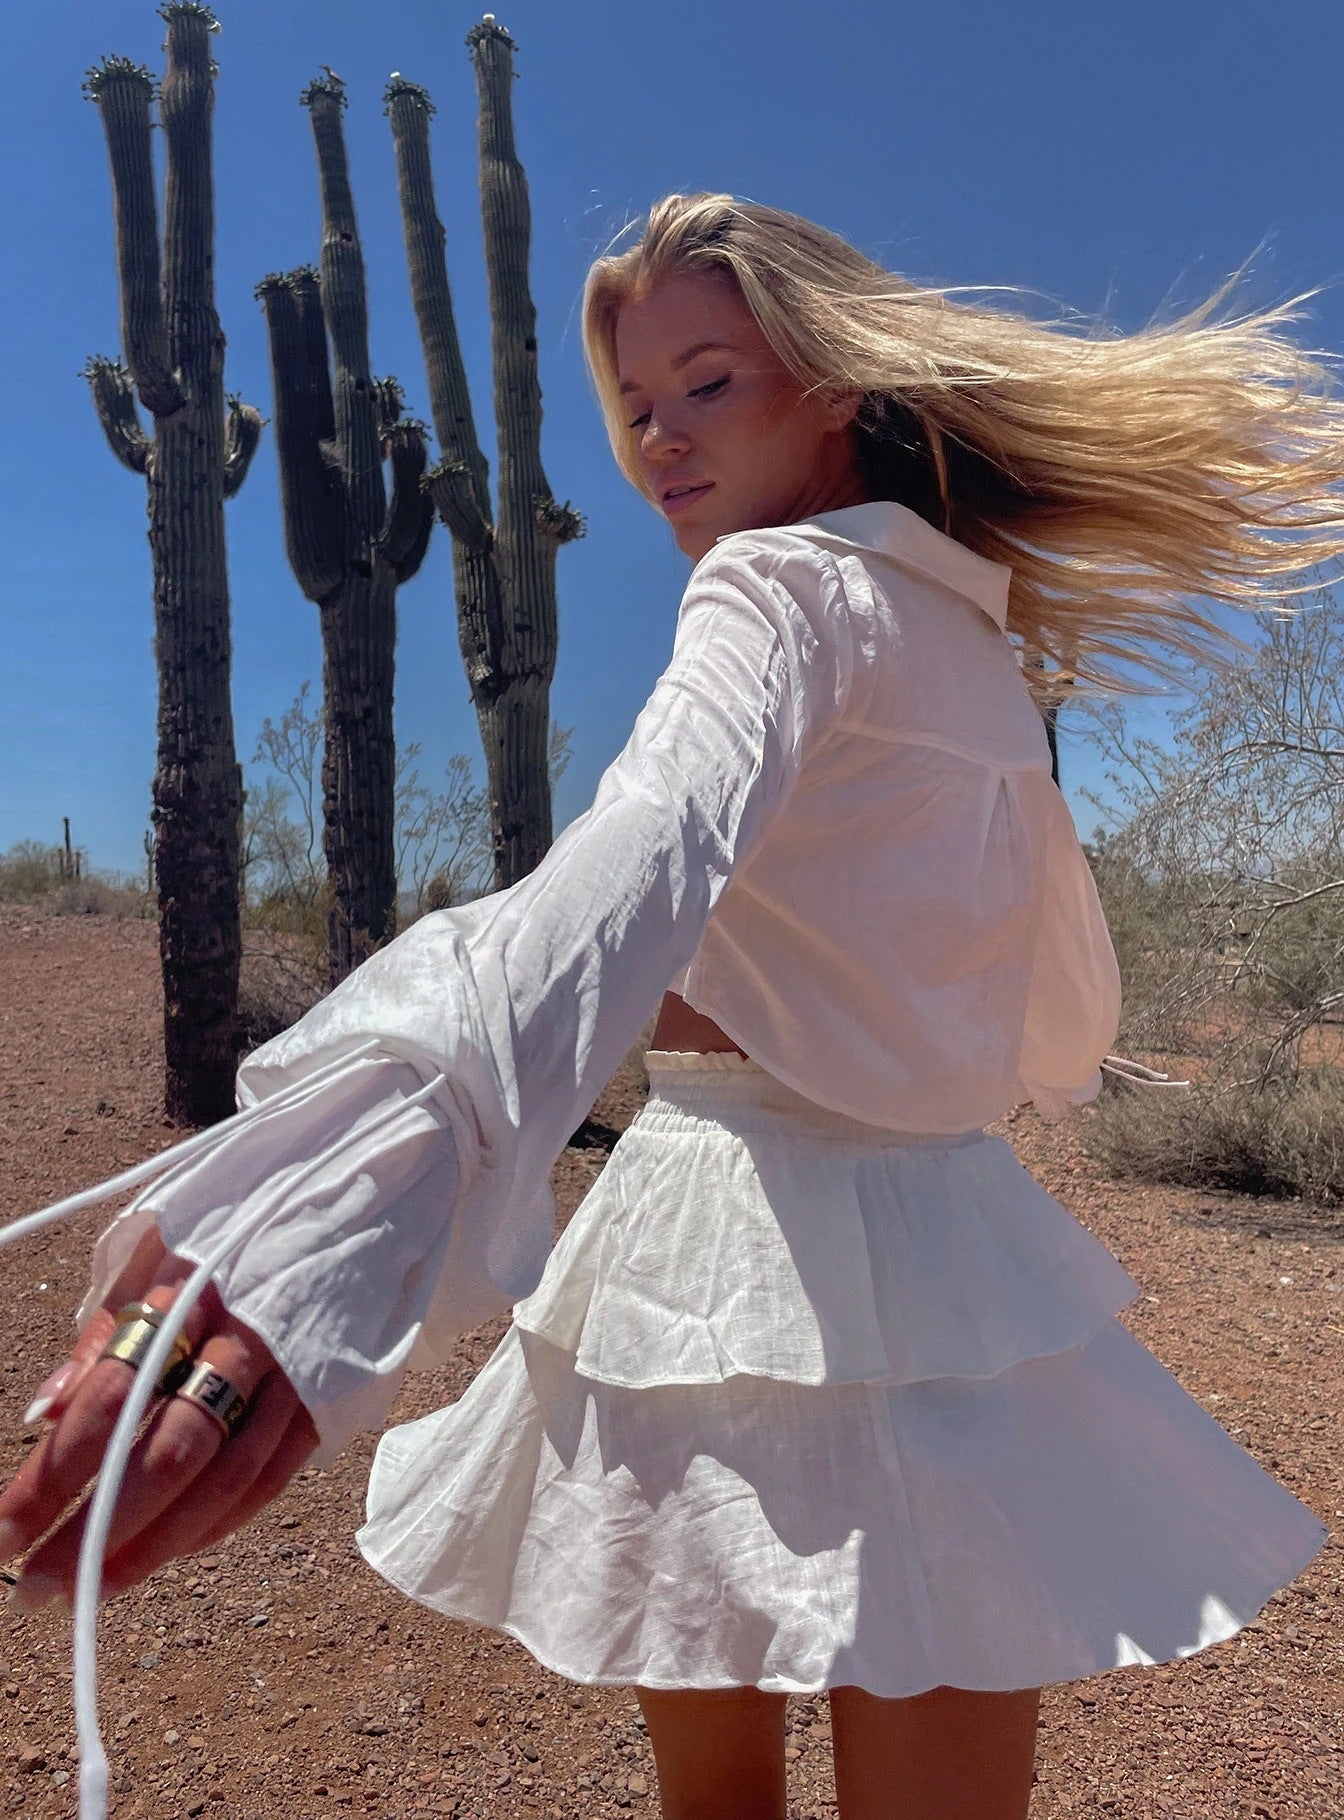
[833, 829]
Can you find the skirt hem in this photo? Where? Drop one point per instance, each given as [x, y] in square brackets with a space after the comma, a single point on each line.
[785, 1684]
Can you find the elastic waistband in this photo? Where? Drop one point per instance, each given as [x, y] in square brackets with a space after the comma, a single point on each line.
[689, 1091]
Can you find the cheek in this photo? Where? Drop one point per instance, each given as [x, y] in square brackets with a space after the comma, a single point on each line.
[782, 418]
[759, 414]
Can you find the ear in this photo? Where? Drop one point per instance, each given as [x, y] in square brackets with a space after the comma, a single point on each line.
[840, 407]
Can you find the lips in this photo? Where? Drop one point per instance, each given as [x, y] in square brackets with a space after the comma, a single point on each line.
[672, 501]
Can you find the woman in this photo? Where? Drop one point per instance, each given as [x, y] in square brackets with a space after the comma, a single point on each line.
[818, 1389]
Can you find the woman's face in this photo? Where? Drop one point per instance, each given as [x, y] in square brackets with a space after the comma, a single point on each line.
[731, 419]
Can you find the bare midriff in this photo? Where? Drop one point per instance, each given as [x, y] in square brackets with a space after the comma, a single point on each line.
[684, 1029]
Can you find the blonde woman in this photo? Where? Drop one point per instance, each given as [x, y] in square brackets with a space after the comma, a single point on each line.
[818, 1389]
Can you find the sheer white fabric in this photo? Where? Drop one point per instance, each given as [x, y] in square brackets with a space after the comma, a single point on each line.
[833, 827]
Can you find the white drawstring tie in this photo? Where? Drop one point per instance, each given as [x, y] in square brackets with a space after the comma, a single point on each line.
[1139, 1072]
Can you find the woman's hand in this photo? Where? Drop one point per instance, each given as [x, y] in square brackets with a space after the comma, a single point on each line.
[186, 1485]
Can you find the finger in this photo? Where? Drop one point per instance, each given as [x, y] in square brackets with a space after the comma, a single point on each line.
[299, 1444]
[59, 1467]
[169, 1457]
[236, 1468]
[150, 1264]
[151, 1270]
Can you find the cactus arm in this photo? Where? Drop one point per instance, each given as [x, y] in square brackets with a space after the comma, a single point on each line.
[242, 433]
[452, 487]
[562, 523]
[343, 301]
[310, 492]
[409, 108]
[410, 511]
[123, 92]
[114, 401]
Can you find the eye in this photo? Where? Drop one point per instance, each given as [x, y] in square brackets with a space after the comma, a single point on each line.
[702, 391]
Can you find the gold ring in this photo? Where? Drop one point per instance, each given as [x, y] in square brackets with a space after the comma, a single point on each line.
[133, 1337]
[211, 1391]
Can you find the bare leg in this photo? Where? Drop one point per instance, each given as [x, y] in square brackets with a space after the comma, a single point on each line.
[719, 1752]
[953, 1753]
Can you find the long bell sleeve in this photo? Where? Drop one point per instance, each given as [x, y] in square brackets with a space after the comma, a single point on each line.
[391, 1155]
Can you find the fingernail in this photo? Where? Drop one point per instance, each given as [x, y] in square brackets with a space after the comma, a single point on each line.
[47, 1392]
[11, 1539]
[32, 1591]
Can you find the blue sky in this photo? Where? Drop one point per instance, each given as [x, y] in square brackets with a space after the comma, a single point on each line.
[1121, 158]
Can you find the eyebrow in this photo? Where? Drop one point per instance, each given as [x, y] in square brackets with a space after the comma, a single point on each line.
[681, 359]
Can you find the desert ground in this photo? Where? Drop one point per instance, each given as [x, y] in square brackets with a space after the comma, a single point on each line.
[278, 1676]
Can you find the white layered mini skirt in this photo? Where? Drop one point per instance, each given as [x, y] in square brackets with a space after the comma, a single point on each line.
[802, 1402]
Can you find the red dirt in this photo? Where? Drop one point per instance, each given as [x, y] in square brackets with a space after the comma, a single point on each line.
[278, 1676]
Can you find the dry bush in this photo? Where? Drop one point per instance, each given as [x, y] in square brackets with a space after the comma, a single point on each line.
[1269, 1142]
[28, 871]
[32, 872]
[96, 896]
[1224, 890]
[285, 965]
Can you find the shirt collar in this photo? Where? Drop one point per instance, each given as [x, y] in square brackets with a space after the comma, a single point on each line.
[893, 530]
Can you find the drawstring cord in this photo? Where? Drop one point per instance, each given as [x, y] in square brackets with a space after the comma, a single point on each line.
[1139, 1073]
[176, 1154]
[93, 1770]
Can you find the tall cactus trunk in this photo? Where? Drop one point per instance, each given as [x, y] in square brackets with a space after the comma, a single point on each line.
[350, 546]
[505, 571]
[359, 765]
[175, 349]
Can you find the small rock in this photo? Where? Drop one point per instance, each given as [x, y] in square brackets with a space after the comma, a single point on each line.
[638, 1785]
[172, 1737]
[30, 1761]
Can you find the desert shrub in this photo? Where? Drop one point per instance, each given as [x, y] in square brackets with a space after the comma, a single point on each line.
[1272, 1141]
[29, 870]
[34, 873]
[1223, 886]
[284, 965]
[97, 896]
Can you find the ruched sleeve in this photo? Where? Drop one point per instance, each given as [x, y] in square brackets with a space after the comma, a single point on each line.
[391, 1155]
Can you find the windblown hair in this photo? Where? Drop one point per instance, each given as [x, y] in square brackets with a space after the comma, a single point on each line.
[1122, 476]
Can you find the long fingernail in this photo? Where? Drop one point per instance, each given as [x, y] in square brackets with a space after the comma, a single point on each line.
[47, 1392]
[32, 1591]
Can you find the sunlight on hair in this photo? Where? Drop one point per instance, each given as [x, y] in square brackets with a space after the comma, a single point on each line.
[1122, 477]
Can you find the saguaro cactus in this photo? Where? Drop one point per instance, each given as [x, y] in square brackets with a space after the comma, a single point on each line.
[195, 458]
[504, 567]
[349, 546]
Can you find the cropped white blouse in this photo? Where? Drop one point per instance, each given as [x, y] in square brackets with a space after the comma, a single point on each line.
[833, 829]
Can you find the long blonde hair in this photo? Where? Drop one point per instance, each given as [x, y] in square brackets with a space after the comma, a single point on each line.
[1119, 475]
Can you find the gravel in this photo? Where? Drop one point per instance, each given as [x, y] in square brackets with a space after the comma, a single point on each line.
[277, 1676]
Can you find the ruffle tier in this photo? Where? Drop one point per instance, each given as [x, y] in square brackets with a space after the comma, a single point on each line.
[986, 1481]
[736, 1228]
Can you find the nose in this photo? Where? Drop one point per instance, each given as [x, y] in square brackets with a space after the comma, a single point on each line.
[660, 438]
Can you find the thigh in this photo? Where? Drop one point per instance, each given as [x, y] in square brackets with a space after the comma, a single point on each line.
[953, 1751]
[719, 1752]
